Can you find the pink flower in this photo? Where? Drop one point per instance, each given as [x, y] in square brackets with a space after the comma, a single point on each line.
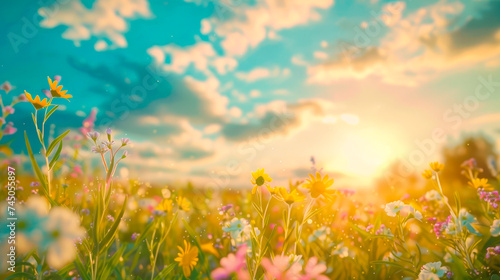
[313, 270]
[8, 110]
[9, 129]
[232, 264]
[89, 122]
[281, 269]
[6, 86]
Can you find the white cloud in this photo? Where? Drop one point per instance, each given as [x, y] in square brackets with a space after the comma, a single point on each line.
[106, 20]
[260, 73]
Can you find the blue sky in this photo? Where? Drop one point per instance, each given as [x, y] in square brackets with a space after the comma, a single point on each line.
[240, 85]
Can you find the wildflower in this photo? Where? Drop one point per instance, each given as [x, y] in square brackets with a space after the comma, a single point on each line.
[125, 154]
[491, 197]
[432, 271]
[63, 228]
[470, 164]
[480, 183]
[110, 218]
[37, 103]
[427, 174]
[187, 258]
[320, 234]
[164, 206]
[21, 98]
[134, 236]
[232, 265]
[125, 141]
[166, 193]
[183, 203]
[281, 269]
[432, 195]
[85, 211]
[313, 270]
[235, 227]
[495, 228]
[288, 197]
[9, 129]
[259, 178]
[341, 251]
[393, 208]
[383, 230]
[56, 91]
[108, 144]
[209, 248]
[8, 110]
[436, 166]
[319, 186]
[108, 133]
[93, 135]
[6, 86]
[100, 149]
[465, 219]
[492, 251]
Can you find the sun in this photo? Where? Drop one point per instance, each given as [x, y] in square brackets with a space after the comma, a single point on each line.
[364, 152]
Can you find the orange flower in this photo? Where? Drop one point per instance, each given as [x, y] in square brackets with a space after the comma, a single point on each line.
[436, 166]
[427, 174]
[37, 103]
[56, 91]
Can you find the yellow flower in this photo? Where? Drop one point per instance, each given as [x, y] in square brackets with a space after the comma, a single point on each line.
[56, 91]
[259, 178]
[427, 174]
[183, 203]
[319, 186]
[436, 166]
[209, 248]
[37, 103]
[480, 183]
[165, 205]
[288, 197]
[187, 258]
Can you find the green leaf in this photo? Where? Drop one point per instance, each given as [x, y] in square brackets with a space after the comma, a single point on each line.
[165, 272]
[19, 275]
[109, 237]
[81, 269]
[56, 156]
[50, 113]
[56, 141]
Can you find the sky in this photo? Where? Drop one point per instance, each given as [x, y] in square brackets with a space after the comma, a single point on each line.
[209, 90]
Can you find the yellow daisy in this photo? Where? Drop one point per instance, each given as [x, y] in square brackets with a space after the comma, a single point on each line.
[289, 197]
[319, 186]
[165, 205]
[37, 103]
[56, 91]
[183, 203]
[187, 258]
[436, 166]
[427, 174]
[259, 178]
[480, 183]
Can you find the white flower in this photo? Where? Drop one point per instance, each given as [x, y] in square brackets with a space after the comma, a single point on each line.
[466, 220]
[341, 250]
[62, 230]
[235, 227]
[320, 234]
[495, 228]
[432, 195]
[393, 208]
[432, 271]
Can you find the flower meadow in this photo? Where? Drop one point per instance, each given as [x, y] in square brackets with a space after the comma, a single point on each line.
[75, 220]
